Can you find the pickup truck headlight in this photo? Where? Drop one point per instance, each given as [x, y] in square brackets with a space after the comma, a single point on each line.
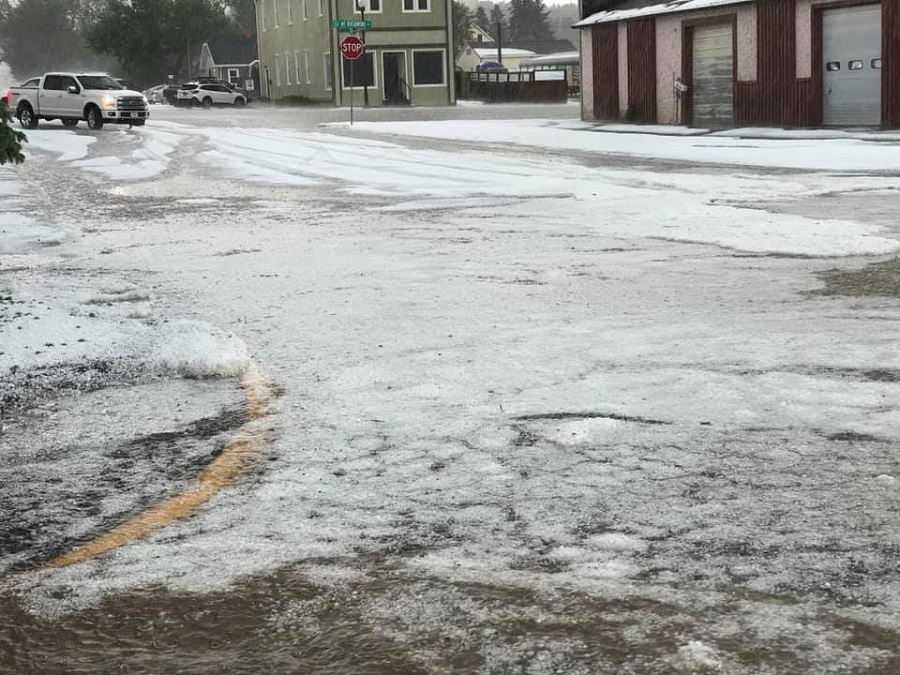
[108, 102]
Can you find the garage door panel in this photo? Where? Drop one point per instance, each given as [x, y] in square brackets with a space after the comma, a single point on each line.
[851, 45]
[713, 76]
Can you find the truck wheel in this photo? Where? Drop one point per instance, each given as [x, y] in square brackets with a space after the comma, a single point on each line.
[70, 122]
[26, 116]
[94, 118]
[207, 102]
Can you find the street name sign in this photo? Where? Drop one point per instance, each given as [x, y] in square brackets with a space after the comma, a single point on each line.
[348, 24]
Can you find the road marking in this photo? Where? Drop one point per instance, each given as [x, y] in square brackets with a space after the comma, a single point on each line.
[233, 460]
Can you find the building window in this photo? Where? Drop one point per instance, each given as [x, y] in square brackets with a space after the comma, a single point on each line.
[306, 65]
[833, 66]
[303, 9]
[287, 68]
[234, 76]
[371, 6]
[876, 64]
[321, 7]
[363, 71]
[290, 12]
[326, 59]
[297, 65]
[262, 15]
[428, 67]
[277, 70]
[275, 13]
[416, 5]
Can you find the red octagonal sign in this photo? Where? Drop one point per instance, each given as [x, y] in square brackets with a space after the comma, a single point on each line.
[352, 47]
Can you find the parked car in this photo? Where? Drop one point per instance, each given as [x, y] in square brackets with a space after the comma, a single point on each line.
[217, 80]
[155, 94]
[209, 94]
[491, 67]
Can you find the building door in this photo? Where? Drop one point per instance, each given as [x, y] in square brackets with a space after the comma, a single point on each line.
[393, 65]
[713, 76]
[851, 51]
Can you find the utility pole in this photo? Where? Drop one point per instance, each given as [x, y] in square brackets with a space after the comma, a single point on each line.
[362, 10]
[500, 43]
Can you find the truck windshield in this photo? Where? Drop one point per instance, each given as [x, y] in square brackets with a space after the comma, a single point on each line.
[98, 82]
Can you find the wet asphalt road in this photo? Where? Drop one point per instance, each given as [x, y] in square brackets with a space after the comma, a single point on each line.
[371, 612]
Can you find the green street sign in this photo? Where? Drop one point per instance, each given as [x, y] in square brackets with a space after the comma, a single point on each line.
[347, 24]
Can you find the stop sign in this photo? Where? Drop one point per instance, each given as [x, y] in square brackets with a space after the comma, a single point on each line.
[352, 47]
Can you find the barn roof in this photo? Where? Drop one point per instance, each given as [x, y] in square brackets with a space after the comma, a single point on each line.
[639, 10]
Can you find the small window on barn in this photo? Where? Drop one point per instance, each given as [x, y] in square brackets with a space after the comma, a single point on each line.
[855, 65]
[876, 64]
[833, 66]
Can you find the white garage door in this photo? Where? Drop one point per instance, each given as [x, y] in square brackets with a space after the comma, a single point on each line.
[713, 76]
[851, 45]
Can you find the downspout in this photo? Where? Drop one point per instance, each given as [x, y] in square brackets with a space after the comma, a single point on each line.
[337, 94]
[263, 74]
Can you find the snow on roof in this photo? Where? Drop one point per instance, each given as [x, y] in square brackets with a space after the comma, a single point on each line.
[553, 59]
[491, 52]
[662, 8]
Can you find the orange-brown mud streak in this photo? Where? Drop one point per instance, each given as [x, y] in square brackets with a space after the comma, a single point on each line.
[230, 464]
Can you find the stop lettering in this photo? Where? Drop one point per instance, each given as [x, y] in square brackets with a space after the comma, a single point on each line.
[352, 47]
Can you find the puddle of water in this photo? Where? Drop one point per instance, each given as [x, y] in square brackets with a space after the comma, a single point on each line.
[250, 630]
[375, 621]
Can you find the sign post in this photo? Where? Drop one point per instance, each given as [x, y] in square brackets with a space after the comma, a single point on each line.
[351, 49]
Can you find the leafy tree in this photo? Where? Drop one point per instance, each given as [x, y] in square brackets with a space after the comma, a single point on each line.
[10, 139]
[243, 14]
[155, 38]
[462, 26]
[528, 23]
[41, 35]
[482, 21]
[499, 24]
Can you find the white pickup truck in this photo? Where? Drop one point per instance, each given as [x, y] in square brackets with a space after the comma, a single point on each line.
[72, 97]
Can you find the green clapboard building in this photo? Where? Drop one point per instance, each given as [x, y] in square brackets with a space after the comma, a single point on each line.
[407, 60]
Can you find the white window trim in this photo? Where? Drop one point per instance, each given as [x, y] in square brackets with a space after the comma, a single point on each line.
[374, 84]
[290, 12]
[306, 66]
[369, 10]
[443, 68]
[297, 65]
[304, 10]
[321, 7]
[262, 15]
[278, 70]
[415, 9]
[275, 13]
[287, 68]
[327, 68]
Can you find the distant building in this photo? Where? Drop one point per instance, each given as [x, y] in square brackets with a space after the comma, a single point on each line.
[407, 59]
[234, 60]
[511, 58]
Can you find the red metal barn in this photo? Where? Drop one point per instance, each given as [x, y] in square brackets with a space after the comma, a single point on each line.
[726, 63]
